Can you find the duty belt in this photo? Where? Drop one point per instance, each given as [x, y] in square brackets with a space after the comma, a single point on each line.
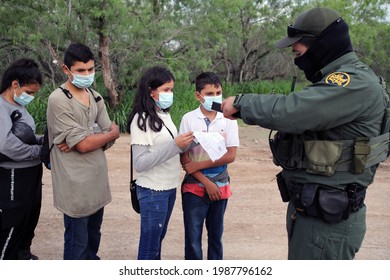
[329, 204]
[356, 155]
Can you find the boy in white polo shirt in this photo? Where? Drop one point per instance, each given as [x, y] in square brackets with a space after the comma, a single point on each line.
[206, 185]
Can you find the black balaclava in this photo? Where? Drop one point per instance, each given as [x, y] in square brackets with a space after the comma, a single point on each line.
[332, 43]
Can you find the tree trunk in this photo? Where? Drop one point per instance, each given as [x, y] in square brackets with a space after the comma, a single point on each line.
[109, 83]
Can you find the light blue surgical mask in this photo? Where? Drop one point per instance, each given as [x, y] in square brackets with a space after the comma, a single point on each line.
[23, 99]
[208, 101]
[165, 100]
[83, 81]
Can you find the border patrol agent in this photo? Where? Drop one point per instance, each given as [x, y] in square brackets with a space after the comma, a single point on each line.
[331, 137]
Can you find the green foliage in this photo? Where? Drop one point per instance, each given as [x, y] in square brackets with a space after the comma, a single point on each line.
[183, 102]
[37, 109]
[119, 115]
[234, 38]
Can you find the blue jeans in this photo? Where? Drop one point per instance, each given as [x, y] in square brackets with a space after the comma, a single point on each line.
[156, 209]
[82, 236]
[196, 210]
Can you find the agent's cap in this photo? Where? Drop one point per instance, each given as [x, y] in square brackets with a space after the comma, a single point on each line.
[309, 24]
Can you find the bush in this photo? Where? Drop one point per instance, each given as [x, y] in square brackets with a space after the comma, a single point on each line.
[37, 109]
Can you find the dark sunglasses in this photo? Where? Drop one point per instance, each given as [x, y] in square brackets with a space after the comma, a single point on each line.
[293, 32]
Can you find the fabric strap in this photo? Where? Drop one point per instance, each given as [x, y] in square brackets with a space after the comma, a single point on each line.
[169, 131]
[131, 163]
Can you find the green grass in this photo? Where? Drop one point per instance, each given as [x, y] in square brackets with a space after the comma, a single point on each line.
[184, 101]
[120, 114]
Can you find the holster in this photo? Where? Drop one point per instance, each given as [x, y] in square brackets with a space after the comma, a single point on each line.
[282, 186]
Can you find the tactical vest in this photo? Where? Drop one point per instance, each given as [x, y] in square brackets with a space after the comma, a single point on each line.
[325, 157]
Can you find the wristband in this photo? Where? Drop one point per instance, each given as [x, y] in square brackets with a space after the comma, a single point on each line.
[237, 100]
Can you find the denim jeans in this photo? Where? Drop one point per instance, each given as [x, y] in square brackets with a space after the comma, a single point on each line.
[82, 236]
[156, 209]
[196, 210]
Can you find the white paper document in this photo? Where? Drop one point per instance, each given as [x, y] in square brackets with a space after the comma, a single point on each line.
[212, 142]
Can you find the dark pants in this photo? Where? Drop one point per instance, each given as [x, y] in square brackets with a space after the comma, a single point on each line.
[311, 238]
[82, 236]
[196, 211]
[20, 204]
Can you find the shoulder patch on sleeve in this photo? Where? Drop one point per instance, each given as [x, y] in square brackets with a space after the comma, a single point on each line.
[338, 78]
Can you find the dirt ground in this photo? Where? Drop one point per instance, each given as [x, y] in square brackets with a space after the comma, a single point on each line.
[254, 220]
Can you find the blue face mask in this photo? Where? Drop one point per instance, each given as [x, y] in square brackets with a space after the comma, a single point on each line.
[165, 100]
[82, 81]
[24, 99]
[208, 101]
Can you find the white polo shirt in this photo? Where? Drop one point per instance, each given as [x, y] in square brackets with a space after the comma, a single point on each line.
[195, 121]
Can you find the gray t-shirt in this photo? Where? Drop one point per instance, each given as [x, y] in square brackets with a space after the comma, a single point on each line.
[80, 181]
[22, 155]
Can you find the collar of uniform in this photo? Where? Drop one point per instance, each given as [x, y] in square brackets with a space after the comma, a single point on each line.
[200, 115]
[348, 58]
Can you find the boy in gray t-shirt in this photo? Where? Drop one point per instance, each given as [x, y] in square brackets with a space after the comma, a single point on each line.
[78, 163]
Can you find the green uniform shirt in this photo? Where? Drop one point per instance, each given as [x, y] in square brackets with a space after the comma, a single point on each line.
[347, 103]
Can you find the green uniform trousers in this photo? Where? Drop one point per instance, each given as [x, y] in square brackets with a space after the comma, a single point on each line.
[312, 238]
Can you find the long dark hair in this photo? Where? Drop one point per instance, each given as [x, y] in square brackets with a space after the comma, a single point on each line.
[144, 105]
